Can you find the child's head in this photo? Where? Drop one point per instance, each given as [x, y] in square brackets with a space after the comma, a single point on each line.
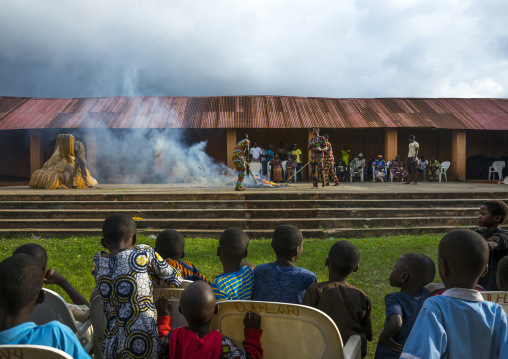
[197, 303]
[343, 259]
[35, 251]
[287, 242]
[233, 243]
[20, 284]
[117, 229]
[170, 244]
[492, 213]
[413, 270]
[463, 258]
[502, 274]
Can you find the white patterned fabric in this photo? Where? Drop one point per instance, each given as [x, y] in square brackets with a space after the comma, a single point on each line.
[126, 292]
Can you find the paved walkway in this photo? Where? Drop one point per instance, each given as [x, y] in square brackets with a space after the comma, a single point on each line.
[304, 187]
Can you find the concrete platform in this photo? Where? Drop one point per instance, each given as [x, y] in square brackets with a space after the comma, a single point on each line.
[350, 210]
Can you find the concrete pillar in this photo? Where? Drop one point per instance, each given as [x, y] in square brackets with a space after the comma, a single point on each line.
[390, 143]
[158, 151]
[459, 155]
[36, 154]
[91, 153]
[310, 136]
[230, 146]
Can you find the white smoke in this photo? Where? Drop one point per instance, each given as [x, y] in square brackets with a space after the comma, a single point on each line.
[157, 156]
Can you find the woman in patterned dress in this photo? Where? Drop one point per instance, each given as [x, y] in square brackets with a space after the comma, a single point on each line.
[241, 152]
[126, 290]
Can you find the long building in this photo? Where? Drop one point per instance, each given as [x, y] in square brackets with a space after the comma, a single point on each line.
[456, 130]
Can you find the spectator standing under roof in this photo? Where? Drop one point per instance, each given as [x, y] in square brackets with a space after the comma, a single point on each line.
[283, 156]
[298, 153]
[264, 159]
[255, 153]
[412, 157]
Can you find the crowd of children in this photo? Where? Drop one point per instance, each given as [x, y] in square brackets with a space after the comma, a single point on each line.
[453, 323]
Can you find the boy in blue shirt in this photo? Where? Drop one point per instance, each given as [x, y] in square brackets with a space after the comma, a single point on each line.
[459, 323]
[282, 281]
[237, 280]
[21, 288]
[412, 272]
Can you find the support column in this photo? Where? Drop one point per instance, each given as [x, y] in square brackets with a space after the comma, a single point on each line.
[390, 143]
[459, 155]
[158, 151]
[230, 146]
[310, 136]
[36, 155]
[91, 153]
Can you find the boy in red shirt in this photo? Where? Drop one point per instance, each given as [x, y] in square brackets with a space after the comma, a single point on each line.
[197, 304]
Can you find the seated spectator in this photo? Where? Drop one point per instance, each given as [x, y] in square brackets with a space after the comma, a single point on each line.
[459, 323]
[341, 169]
[197, 304]
[380, 169]
[397, 168]
[502, 275]
[79, 308]
[347, 306]
[298, 152]
[291, 167]
[170, 244]
[356, 166]
[413, 271]
[237, 280]
[277, 172]
[282, 281]
[421, 166]
[433, 169]
[21, 281]
[372, 163]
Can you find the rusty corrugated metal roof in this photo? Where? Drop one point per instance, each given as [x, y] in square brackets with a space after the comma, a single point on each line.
[251, 112]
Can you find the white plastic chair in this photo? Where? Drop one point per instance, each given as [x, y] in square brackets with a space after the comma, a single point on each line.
[289, 330]
[500, 298]
[351, 174]
[497, 167]
[442, 171]
[56, 308]
[374, 173]
[185, 283]
[269, 170]
[284, 170]
[256, 168]
[431, 287]
[98, 319]
[173, 294]
[32, 352]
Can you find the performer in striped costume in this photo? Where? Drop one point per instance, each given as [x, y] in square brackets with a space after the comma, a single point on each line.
[240, 153]
[329, 164]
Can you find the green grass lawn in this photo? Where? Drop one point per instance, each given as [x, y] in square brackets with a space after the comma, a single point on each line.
[72, 258]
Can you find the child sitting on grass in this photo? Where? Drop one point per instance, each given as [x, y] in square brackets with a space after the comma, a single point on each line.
[459, 323]
[170, 244]
[412, 272]
[502, 275]
[492, 214]
[126, 290]
[80, 308]
[21, 288]
[349, 307]
[282, 281]
[237, 280]
[197, 304]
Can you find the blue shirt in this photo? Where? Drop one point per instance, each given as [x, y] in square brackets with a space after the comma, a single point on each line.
[52, 334]
[458, 324]
[408, 308]
[274, 283]
[231, 286]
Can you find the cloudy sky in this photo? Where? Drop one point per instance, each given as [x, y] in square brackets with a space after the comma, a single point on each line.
[336, 48]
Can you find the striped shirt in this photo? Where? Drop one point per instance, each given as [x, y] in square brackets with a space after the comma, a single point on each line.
[188, 270]
[234, 286]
